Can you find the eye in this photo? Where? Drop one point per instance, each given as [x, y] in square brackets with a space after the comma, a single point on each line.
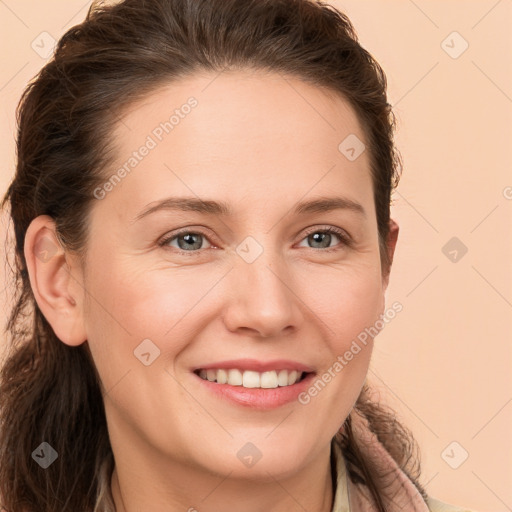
[191, 242]
[323, 237]
[188, 241]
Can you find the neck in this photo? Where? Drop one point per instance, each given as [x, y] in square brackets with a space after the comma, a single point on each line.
[136, 487]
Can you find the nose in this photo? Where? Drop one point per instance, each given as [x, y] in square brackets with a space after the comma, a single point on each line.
[263, 302]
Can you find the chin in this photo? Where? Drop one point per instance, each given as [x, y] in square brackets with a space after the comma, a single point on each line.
[262, 460]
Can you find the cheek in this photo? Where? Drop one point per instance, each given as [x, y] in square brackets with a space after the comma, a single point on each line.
[128, 305]
[346, 299]
[347, 303]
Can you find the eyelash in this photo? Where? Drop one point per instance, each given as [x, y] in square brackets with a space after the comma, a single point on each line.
[342, 235]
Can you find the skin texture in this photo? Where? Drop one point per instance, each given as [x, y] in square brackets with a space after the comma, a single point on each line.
[261, 143]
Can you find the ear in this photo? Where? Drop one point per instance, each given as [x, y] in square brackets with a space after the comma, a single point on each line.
[390, 244]
[57, 284]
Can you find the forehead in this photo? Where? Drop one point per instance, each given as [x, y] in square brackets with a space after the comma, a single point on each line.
[258, 101]
[249, 133]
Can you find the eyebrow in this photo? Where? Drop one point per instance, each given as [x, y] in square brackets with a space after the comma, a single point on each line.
[210, 207]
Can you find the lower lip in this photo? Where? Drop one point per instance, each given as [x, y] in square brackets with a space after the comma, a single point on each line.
[259, 398]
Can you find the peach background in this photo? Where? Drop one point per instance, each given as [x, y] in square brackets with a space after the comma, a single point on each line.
[444, 363]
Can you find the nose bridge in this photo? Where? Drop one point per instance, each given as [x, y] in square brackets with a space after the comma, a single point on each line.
[262, 288]
[260, 265]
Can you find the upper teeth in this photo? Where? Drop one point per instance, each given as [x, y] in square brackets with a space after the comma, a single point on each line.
[250, 379]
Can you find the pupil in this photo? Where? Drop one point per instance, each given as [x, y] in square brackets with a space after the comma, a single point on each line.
[318, 236]
[189, 240]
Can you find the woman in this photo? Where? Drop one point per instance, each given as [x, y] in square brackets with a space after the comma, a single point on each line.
[203, 243]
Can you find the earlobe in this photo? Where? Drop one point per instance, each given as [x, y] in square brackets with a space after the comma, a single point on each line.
[55, 284]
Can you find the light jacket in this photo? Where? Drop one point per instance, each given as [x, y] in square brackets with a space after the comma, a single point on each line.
[349, 497]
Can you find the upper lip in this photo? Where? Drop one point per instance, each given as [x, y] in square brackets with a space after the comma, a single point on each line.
[257, 366]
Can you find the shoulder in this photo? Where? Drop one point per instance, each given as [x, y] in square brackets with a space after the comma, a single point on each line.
[436, 505]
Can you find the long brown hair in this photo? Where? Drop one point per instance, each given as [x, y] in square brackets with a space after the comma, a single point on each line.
[50, 391]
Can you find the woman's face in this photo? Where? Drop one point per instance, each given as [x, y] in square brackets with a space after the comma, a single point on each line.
[176, 287]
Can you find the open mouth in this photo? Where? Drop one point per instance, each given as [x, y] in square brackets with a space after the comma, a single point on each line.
[252, 379]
